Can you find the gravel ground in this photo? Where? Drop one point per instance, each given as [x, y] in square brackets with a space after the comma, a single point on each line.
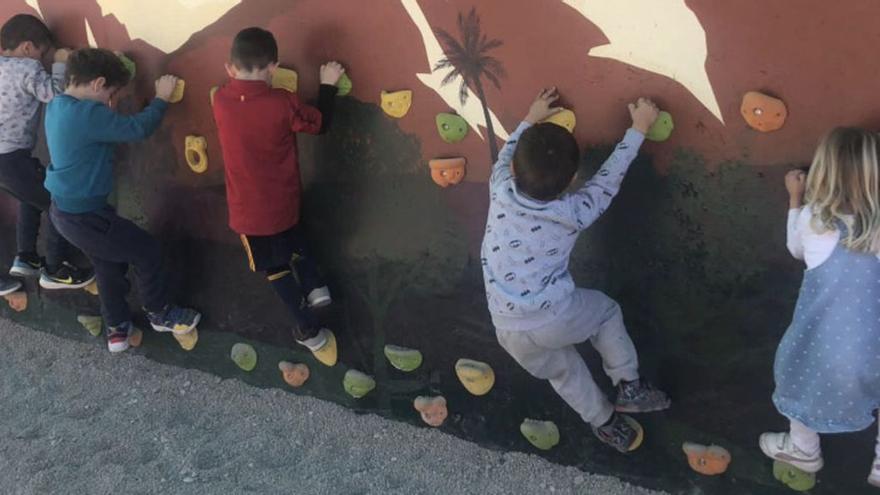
[76, 419]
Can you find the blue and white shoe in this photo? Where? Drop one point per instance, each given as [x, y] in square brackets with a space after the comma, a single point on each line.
[175, 319]
[8, 286]
[26, 265]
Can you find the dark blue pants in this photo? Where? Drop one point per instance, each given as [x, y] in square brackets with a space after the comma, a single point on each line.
[112, 243]
[22, 176]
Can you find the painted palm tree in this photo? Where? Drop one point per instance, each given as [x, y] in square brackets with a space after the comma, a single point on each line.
[469, 60]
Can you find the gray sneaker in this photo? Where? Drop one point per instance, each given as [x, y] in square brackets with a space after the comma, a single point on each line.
[623, 433]
[639, 396]
[8, 286]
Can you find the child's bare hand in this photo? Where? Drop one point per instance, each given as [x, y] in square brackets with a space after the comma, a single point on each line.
[541, 108]
[165, 86]
[796, 184]
[331, 72]
[643, 112]
[61, 55]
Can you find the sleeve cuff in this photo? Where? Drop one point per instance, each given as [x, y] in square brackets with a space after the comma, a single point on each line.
[633, 138]
[159, 102]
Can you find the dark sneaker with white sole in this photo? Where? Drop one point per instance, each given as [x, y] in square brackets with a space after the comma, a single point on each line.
[67, 276]
[8, 286]
[117, 337]
[622, 432]
[639, 396]
[175, 319]
[26, 265]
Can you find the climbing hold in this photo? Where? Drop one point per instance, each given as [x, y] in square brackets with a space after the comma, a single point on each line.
[640, 437]
[17, 300]
[447, 171]
[477, 377]
[135, 337]
[212, 92]
[709, 460]
[452, 128]
[565, 119]
[762, 112]
[294, 374]
[92, 288]
[327, 354]
[92, 324]
[129, 64]
[358, 384]
[792, 477]
[197, 153]
[432, 409]
[177, 94]
[189, 340]
[662, 127]
[285, 79]
[244, 356]
[402, 358]
[343, 85]
[542, 434]
[396, 104]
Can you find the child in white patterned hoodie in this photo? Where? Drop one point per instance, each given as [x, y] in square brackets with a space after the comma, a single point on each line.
[538, 313]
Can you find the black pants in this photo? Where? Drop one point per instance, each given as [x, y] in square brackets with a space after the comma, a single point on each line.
[112, 243]
[22, 176]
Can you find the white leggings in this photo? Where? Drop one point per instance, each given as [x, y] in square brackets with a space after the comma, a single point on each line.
[807, 440]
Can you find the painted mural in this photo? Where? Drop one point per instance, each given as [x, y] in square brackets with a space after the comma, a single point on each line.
[693, 248]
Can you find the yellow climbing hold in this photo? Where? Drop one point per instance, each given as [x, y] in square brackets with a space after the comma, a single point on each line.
[328, 353]
[177, 94]
[358, 384]
[565, 119]
[542, 434]
[477, 377]
[432, 409]
[285, 79]
[402, 358]
[92, 288]
[187, 340]
[197, 153]
[244, 356]
[638, 428]
[212, 92]
[92, 324]
[295, 374]
[397, 103]
[792, 477]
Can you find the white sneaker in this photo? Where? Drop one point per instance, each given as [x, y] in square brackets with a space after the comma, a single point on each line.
[320, 297]
[874, 477]
[778, 446]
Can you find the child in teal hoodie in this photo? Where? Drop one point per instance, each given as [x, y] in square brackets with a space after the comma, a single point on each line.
[81, 132]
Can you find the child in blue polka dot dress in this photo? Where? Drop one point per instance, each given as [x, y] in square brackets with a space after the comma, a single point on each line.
[827, 367]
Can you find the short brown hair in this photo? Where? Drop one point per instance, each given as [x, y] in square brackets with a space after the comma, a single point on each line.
[545, 161]
[87, 64]
[22, 28]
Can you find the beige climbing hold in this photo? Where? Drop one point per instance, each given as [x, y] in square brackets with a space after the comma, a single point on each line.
[295, 374]
[565, 119]
[17, 300]
[92, 324]
[403, 358]
[187, 340]
[197, 153]
[177, 94]
[542, 434]
[135, 337]
[92, 288]
[477, 377]
[358, 384]
[396, 104]
[432, 409]
[328, 354]
[709, 460]
[212, 92]
[285, 79]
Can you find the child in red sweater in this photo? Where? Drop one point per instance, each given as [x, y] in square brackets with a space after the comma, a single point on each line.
[257, 128]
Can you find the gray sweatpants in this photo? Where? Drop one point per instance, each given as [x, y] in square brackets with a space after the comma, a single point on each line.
[548, 352]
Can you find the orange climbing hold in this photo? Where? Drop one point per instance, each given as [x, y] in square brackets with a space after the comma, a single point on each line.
[17, 300]
[447, 171]
[432, 409]
[295, 374]
[709, 460]
[762, 112]
[136, 337]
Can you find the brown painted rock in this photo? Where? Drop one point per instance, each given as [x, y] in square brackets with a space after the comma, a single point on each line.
[763, 113]
[432, 409]
[295, 374]
[17, 300]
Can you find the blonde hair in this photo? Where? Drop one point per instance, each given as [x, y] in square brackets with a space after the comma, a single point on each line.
[843, 184]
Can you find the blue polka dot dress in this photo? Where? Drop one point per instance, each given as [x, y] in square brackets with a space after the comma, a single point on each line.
[827, 367]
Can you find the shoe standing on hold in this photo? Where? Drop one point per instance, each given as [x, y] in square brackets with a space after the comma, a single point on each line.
[621, 432]
[779, 446]
[66, 276]
[8, 286]
[26, 265]
[117, 337]
[175, 319]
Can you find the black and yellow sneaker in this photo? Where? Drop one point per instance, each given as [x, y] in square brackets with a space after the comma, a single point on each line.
[67, 276]
[26, 265]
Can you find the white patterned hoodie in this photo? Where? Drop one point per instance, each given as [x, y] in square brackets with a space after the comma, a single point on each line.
[24, 87]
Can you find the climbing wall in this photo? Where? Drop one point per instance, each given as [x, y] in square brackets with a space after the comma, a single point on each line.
[395, 203]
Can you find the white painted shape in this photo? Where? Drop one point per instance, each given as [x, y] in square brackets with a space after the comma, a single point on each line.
[35, 4]
[472, 111]
[664, 37]
[166, 24]
[90, 35]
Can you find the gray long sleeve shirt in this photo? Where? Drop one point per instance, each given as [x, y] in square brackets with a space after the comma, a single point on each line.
[24, 87]
[526, 248]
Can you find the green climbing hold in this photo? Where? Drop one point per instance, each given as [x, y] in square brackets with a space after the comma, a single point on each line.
[93, 324]
[358, 384]
[792, 477]
[402, 358]
[244, 356]
[542, 434]
[343, 85]
[662, 128]
[452, 128]
[129, 64]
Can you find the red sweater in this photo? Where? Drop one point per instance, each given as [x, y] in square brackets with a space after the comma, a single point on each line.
[257, 125]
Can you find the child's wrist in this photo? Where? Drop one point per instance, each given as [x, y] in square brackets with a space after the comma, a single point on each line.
[795, 202]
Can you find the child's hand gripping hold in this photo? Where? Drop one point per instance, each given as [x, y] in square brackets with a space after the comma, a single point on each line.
[331, 72]
[643, 112]
[541, 108]
[165, 87]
